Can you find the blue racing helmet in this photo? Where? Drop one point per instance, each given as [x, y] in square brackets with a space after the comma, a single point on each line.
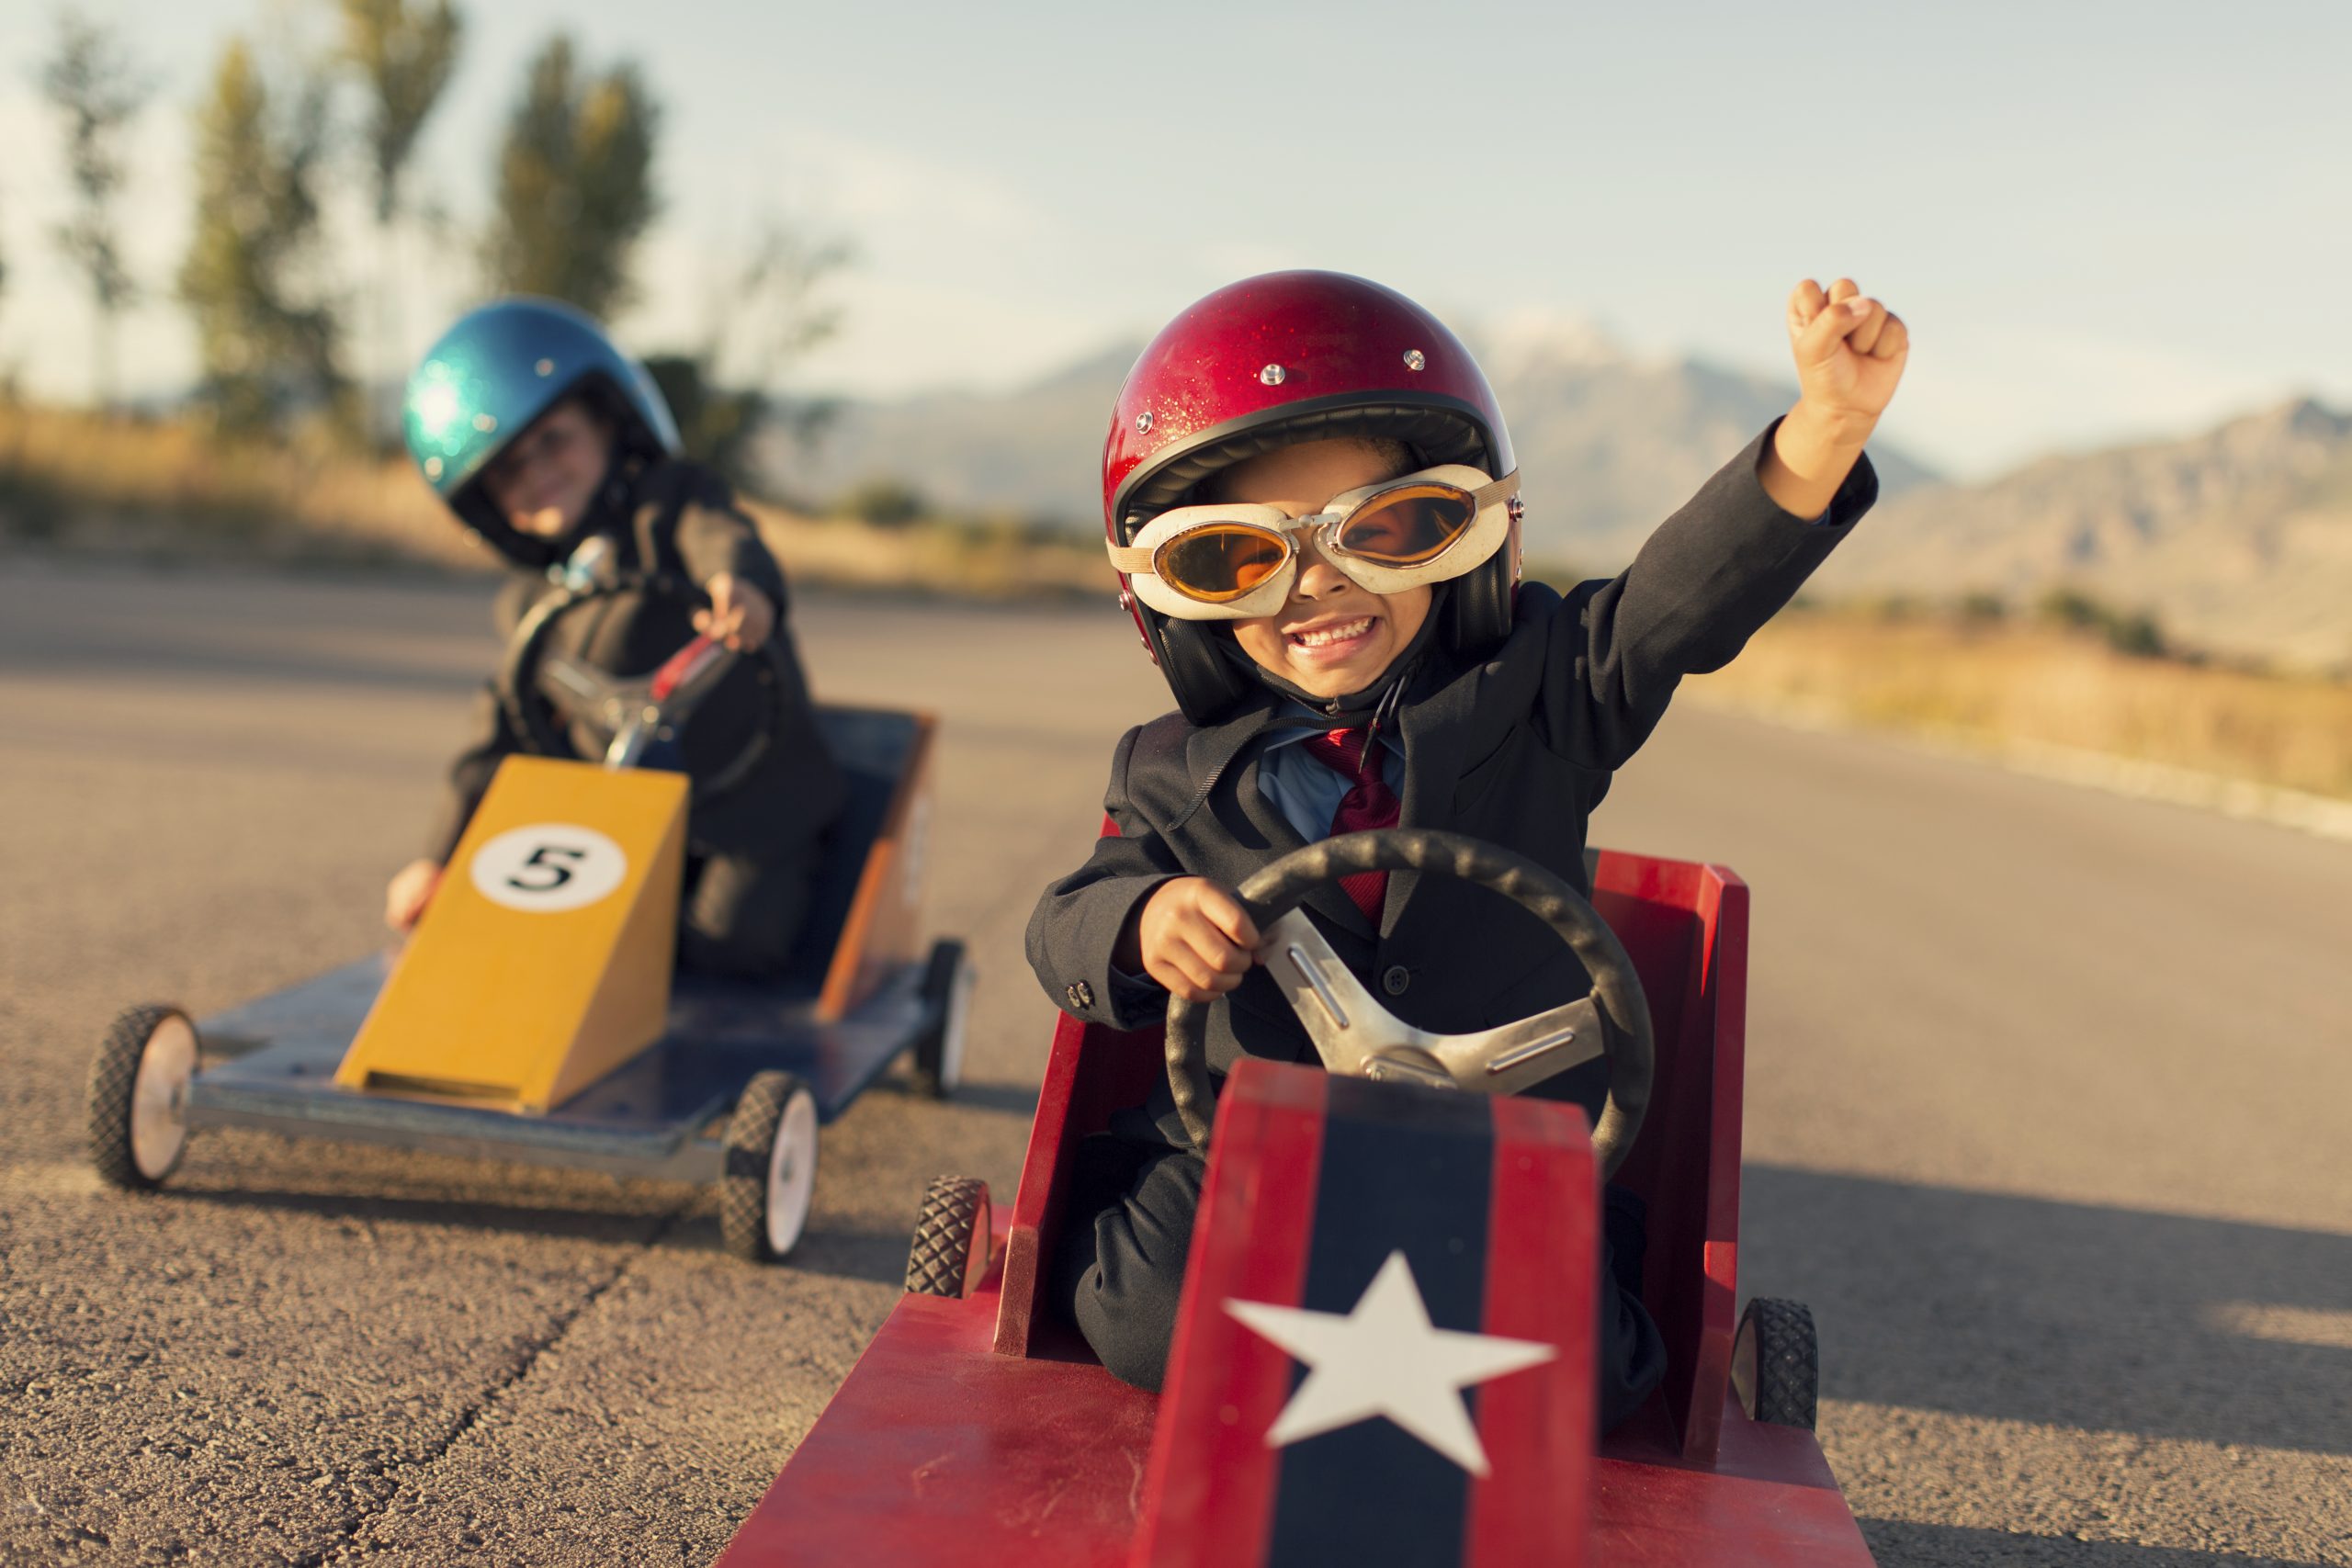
[500, 368]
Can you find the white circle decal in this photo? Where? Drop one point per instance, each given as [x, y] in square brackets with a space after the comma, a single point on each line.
[548, 867]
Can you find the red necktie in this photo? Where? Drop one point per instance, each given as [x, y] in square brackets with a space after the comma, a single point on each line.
[1369, 804]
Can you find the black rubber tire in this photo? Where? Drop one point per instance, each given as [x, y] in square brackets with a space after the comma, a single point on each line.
[1784, 1378]
[113, 1073]
[934, 1076]
[940, 1261]
[746, 1148]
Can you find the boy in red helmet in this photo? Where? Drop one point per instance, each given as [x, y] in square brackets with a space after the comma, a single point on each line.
[1311, 500]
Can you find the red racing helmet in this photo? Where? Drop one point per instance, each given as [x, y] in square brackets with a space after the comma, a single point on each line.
[1290, 356]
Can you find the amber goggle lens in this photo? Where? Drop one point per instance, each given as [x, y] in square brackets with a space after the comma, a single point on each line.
[1409, 525]
[1220, 560]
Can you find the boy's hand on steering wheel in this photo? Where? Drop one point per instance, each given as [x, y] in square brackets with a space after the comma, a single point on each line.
[740, 614]
[1194, 938]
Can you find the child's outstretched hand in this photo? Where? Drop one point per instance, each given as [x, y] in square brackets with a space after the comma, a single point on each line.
[1193, 937]
[740, 614]
[1849, 350]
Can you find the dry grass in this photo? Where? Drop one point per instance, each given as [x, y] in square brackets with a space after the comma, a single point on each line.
[2008, 683]
[166, 488]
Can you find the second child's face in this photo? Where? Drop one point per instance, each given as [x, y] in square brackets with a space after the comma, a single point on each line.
[545, 480]
[1332, 638]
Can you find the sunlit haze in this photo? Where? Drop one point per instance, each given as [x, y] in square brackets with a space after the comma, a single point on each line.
[2102, 221]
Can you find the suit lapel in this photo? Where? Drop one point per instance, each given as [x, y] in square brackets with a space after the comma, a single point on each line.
[1432, 729]
[1331, 900]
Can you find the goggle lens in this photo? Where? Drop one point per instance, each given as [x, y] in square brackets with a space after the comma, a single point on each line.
[1409, 525]
[1220, 561]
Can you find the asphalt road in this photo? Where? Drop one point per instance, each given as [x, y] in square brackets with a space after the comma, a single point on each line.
[2047, 1120]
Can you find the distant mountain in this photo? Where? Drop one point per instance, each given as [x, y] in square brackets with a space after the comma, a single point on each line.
[1609, 443]
[2239, 540]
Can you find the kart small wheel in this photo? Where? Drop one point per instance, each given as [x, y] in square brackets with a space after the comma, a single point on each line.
[137, 1096]
[1776, 1363]
[770, 1169]
[950, 1253]
[947, 992]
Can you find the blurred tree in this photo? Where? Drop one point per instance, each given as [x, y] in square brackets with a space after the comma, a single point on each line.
[885, 503]
[763, 317]
[97, 91]
[269, 340]
[575, 183]
[402, 55]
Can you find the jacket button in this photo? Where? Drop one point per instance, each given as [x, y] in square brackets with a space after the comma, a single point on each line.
[1395, 978]
[1081, 995]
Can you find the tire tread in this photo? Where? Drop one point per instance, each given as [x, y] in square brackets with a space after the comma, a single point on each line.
[944, 1233]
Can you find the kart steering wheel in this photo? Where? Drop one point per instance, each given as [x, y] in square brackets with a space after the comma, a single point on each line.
[546, 693]
[1355, 1034]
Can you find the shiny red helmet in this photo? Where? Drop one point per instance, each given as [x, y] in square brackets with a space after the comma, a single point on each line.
[1290, 356]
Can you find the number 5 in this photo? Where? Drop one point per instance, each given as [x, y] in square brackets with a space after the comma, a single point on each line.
[540, 861]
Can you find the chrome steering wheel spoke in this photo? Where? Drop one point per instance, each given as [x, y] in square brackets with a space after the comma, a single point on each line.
[1349, 1028]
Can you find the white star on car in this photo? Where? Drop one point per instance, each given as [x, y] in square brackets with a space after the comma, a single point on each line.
[1383, 1357]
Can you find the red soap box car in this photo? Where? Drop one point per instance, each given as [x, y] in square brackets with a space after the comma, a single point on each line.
[1384, 1350]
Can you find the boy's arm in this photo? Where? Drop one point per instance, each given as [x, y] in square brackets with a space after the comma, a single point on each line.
[1075, 930]
[715, 537]
[1711, 574]
[1727, 562]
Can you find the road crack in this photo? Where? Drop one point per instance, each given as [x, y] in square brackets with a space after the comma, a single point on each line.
[353, 1547]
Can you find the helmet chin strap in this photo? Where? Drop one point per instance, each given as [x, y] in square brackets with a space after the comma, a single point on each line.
[1375, 703]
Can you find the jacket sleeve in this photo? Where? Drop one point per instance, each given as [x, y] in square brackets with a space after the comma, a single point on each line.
[716, 536]
[1701, 585]
[1077, 921]
[494, 740]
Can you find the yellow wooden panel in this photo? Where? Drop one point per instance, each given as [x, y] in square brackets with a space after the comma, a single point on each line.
[544, 961]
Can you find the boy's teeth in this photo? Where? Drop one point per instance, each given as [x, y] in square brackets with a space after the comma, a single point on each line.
[1322, 636]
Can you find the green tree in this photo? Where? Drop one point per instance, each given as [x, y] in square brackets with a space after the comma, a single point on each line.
[97, 91]
[268, 338]
[575, 183]
[403, 56]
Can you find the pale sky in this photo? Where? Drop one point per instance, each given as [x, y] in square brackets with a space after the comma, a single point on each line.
[2103, 220]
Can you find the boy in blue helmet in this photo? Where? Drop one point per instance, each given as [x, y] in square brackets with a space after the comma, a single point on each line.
[540, 436]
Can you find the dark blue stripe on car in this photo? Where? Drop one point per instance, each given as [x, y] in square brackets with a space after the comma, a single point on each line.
[1403, 1169]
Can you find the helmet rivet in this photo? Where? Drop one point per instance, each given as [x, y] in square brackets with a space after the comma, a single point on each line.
[1415, 359]
[1273, 374]
[433, 467]
[1143, 423]
[545, 368]
[485, 422]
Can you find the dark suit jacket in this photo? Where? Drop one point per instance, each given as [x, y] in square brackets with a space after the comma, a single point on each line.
[1516, 749]
[680, 518]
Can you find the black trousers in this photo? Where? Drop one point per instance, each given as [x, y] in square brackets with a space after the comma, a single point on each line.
[1120, 1268]
[740, 915]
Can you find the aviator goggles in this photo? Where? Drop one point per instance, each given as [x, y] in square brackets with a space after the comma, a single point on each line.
[1231, 563]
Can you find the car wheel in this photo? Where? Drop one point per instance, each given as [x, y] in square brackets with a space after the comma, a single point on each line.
[949, 1256]
[1776, 1363]
[137, 1096]
[947, 994]
[769, 1174]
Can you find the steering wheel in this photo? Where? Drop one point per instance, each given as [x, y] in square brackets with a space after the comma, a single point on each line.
[1355, 1035]
[547, 693]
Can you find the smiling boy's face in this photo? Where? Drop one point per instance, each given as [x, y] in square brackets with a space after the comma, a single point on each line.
[1332, 638]
[546, 479]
